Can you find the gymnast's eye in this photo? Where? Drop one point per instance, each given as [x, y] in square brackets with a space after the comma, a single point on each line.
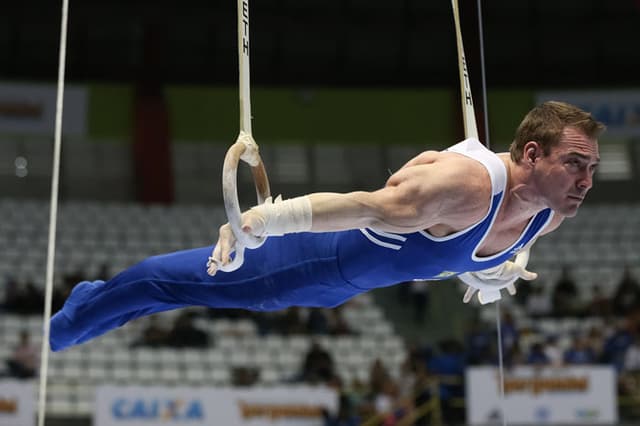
[573, 163]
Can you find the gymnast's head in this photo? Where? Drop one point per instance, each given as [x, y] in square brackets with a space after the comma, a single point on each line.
[557, 143]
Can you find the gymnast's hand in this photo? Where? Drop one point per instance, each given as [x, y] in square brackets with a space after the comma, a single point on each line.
[489, 282]
[273, 217]
[253, 223]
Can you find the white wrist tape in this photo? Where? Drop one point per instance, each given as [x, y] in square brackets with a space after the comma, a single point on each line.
[285, 217]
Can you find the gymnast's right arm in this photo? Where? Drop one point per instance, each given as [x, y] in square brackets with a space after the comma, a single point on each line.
[427, 191]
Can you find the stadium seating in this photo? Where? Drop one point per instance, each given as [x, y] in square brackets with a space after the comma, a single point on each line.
[599, 242]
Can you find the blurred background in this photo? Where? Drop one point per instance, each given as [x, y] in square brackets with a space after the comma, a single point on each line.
[343, 93]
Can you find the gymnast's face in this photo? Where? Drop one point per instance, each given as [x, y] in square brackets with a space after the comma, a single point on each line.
[565, 175]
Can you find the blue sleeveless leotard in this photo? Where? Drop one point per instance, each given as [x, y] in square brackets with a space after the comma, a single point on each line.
[302, 269]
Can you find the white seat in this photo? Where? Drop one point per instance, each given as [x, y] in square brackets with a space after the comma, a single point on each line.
[144, 376]
[368, 344]
[84, 408]
[121, 374]
[169, 357]
[298, 343]
[219, 376]
[246, 327]
[239, 359]
[84, 392]
[98, 373]
[145, 357]
[170, 376]
[262, 358]
[289, 361]
[192, 356]
[345, 344]
[195, 375]
[121, 357]
[273, 343]
[73, 356]
[73, 371]
[5, 351]
[214, 358]
[269, 376]
[61, 407]
[99, 357]
[227, 343]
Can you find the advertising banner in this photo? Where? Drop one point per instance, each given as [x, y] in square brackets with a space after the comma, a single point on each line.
[17, 405]
[618, 109]
[30, 109]
[157, 406]
[571, 395]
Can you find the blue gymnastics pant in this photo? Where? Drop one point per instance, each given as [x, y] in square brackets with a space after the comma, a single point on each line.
[292, 270]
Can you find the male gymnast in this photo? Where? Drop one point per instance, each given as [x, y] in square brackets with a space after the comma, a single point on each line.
[464, 212]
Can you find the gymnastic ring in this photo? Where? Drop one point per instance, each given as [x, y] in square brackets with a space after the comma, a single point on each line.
[246, 149]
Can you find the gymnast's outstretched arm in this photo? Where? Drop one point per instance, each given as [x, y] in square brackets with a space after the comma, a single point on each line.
[434, 188]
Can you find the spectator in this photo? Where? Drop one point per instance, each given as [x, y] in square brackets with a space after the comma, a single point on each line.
[291, 322]
[449, 366]
[11, 295]
[243, 376]
[26, 298]
[337, 324]
[515, 356]
[595, 340]
[525, 288]
[616, 345]
[318, 365]
[388, 403]
[422, 392]
[632, 356]
[537, 355]
[185, 334]
[509, 334]
[538, 303]
[553, 352]
[317, 321]
[24, 361]
[345, 415]
[104, 272]
[153, 335]
[599, 305]
[627, 294]
[579, 352]
[70, 280]
[412, 367]
[378, 376]
[419, 291]
[565, 295]
[478, 344]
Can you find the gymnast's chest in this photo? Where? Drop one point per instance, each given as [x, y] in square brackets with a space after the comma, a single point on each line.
[499, 239]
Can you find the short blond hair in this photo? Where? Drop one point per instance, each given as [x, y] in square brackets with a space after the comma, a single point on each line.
[546, 122]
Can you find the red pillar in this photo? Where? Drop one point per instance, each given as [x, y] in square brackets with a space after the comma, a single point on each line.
[152, 135]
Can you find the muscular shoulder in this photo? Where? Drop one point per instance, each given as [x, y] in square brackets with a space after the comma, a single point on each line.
[470, 186]
[459, 185]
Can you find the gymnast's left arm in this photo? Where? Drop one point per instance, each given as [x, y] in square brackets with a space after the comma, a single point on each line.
[386, 209]
[416, 197]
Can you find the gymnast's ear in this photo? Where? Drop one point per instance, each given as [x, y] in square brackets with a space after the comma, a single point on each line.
[532, 151]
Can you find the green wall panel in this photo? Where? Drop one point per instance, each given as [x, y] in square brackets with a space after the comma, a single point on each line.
[110, 112]
[387, 116]
[507, 108]
[313, 115]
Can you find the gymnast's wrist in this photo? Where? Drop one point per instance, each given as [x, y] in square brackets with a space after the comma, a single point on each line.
[285, 216]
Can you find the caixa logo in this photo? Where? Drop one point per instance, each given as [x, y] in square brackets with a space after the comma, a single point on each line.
[587, 413]
[157, 409]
